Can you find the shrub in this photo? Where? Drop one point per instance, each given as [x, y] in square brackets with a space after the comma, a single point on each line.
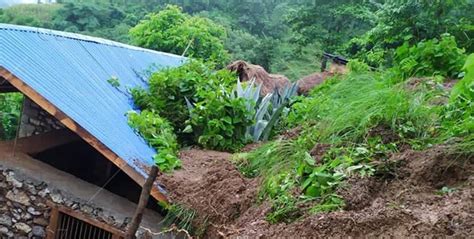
[428, 58]
[219, 121]
[168, 89]
[458, 117]
[159, 135]
[10, 107]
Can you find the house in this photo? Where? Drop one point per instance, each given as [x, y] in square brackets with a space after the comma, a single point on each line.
[76, 166]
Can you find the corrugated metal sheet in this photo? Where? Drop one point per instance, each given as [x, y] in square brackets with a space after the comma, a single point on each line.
[71, 72]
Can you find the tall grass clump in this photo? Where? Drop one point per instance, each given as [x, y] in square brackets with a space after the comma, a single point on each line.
[346, 109]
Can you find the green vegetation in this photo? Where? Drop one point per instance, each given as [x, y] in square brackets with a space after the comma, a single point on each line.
[173, 31]
[429, 58]
[10, 106]
[159, 134]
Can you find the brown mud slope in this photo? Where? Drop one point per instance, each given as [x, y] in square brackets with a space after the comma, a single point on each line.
[403, 203]
[210, 184]
[404, 206]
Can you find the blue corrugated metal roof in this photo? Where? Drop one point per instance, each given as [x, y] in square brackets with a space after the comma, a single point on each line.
[71, 72]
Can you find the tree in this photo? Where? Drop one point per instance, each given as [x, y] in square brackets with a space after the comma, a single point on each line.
[331, 22]
[173, 31]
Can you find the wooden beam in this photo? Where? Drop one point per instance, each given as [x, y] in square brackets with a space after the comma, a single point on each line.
[53, 224]
[73, 126]
[144, 196]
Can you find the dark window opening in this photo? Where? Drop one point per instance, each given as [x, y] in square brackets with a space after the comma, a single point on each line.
[83, 161]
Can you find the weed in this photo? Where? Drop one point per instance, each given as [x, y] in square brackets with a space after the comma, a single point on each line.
[183, 217]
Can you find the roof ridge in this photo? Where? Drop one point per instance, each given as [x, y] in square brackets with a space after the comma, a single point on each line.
[79, 37]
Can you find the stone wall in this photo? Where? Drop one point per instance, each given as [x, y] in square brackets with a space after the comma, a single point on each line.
[24, 211]
[35, 120]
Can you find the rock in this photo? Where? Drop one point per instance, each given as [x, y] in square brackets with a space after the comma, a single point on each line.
[3, 231]
[31, 189]
[57, 198]
[40, 221]
[19, 197]
[26, 216]
[43, 193]
[68, 203]
[39, 231]
[13, 181]
[5, 220]
[16, 216]
[22, 227]
[75, 206]
[33, 211]
[87, 209]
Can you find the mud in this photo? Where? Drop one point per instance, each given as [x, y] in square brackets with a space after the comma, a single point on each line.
[409, 204]
[210, 184]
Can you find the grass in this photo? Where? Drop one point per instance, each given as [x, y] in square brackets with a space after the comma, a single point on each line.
[347, 109]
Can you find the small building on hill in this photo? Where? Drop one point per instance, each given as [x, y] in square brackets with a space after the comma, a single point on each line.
[76, 168]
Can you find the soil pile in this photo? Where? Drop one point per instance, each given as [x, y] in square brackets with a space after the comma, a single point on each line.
[210, 184]
[426, 193]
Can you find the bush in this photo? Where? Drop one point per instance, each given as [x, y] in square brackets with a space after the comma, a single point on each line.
[159, 135]
[168, 89]
[219, 121]
[10, 107]
[458, 117]
[429, 58]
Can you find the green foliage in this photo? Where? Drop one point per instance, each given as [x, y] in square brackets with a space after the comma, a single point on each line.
[159, 135]
[400, 21]
[331, 22]
[173, 31]
[219, 120]
[168, 89]
[458, 116]
[10, 107]
[428, 58]
[28, 14]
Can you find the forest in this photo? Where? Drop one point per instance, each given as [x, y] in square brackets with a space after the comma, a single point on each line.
[400, 113]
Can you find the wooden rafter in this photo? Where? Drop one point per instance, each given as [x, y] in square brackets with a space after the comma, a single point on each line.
[73, 126]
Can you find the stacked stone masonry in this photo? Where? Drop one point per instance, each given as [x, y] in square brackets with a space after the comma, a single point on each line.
[24, 211]
[35, 120]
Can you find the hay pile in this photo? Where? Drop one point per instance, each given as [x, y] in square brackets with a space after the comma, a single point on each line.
[270, 82]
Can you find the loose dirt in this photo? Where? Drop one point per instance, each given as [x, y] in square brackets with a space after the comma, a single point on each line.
[408, 203]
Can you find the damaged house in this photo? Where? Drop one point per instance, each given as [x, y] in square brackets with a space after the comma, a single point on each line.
[76, 168]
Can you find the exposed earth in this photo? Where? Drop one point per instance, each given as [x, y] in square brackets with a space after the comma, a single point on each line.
[427, 194]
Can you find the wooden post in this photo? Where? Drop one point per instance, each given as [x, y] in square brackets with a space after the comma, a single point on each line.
[137, 218]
